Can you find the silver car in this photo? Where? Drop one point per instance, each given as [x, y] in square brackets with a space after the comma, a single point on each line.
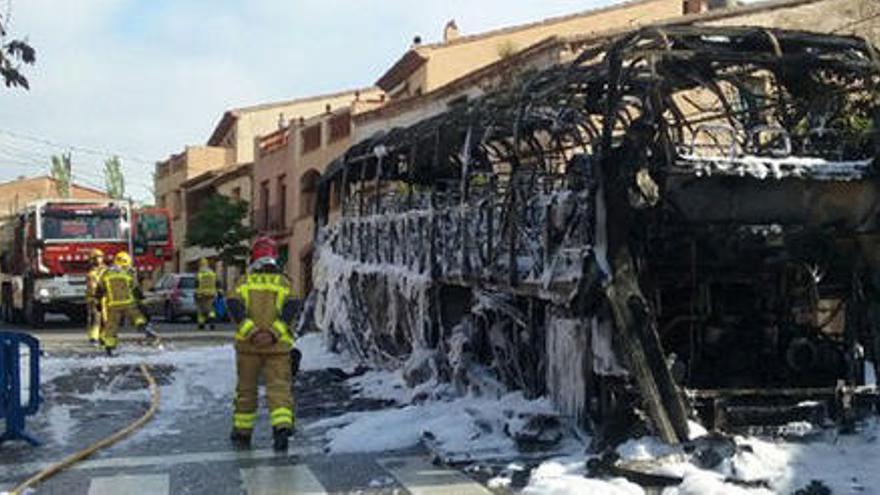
[172, 297]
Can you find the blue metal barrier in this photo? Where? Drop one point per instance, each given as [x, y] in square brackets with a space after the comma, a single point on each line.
[11, 407]
[220, 307]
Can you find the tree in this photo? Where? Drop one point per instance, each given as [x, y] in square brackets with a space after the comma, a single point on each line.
[61, 172]
[219, 224]
[113, 178]
[13, 53]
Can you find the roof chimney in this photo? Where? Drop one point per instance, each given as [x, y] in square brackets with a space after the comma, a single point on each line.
[417, 41]
[281, 121]
[450, 32]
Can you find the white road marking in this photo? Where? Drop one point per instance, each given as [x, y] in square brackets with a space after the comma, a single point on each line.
[420, 477]
[281, 480]
[163, 460]
[147, 484]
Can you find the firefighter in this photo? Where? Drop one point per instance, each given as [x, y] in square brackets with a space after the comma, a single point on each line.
[93, 302]
[262, 307]
[119, 301]
[206, 294]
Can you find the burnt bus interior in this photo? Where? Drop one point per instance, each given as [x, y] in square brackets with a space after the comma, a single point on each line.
[712, 192]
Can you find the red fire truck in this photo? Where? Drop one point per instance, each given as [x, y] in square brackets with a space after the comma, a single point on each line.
[44, 252]
[153, 243]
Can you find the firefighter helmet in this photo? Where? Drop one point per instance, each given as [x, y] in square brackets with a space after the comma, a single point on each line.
[122, 260]
[264, 248]
[96, 255]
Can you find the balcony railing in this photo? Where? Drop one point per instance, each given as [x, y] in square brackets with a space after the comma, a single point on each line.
[270, 219]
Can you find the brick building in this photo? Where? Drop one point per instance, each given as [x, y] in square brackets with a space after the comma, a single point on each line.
[15, 194]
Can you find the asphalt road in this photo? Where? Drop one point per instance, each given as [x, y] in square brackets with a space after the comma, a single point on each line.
[188, 452]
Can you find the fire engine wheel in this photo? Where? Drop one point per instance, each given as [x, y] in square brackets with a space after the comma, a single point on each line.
[6, 303]
[34, 313]
[33, 310]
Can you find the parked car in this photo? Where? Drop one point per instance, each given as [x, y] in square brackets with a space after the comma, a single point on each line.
[173, 297]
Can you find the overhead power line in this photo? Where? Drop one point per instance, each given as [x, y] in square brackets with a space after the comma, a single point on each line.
[40, 160]
[27, 150]
[81, 149]
[83, 169]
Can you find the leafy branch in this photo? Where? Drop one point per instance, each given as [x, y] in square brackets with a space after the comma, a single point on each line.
[14, 53]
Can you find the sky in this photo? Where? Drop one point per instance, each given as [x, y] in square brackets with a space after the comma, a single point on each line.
[143, 78]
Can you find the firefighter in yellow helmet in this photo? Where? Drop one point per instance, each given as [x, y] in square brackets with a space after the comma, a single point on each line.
[93, 302]
[206, 294]
[119, 300]
[262, 307]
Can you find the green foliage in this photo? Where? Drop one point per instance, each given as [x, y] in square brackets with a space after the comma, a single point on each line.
[113, 178]
[219, 224]
[61, 172]
[14, 53]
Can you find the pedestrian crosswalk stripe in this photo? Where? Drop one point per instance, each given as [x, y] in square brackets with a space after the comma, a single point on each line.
[420, 477]
[281, 480]
[17, 470]
[147, 484]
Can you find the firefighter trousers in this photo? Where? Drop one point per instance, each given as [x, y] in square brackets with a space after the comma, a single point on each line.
[113, 322]
[275, 369]
[94, 318]
[205, 309]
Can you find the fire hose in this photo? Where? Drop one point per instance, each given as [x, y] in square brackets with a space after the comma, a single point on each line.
[101, 444]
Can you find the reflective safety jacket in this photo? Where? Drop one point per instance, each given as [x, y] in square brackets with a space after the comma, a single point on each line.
[264, 296]
[207, 283]
[118, 288]
[93, 282]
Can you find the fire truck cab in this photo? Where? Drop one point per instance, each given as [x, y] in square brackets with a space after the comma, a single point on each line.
[44, 255]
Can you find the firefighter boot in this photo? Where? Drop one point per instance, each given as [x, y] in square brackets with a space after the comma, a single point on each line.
[280, 438]
[241, 440]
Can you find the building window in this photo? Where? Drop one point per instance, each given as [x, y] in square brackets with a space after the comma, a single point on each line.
[308, 188]
[263, 216]
[236, 193]
[340, 127]
[311, 138]
[161, 201]
[282, 201]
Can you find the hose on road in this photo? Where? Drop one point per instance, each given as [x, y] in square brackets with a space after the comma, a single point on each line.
[112, 439]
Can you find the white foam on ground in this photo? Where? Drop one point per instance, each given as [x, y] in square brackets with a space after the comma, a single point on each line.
[203, 376]
[315, 355]
[566, 476]
[464, 424]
